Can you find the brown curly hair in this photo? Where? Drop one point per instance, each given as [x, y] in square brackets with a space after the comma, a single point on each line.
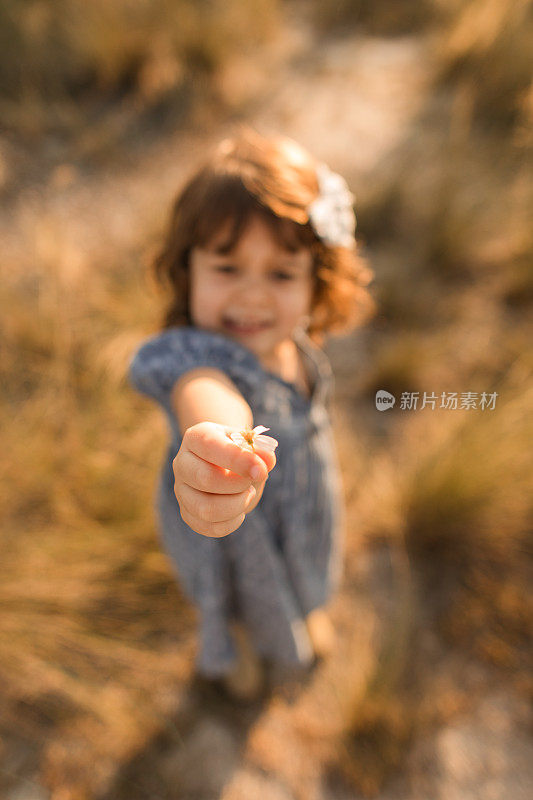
[275, 179]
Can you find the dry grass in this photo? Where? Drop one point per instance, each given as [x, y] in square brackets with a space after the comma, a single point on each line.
[486, 56]
[63, 62]
[449, 493]
[469, 518]
[381, 18]
[448, 496]
[90, 613]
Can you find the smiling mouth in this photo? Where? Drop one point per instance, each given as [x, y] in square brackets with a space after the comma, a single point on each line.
[245, 326]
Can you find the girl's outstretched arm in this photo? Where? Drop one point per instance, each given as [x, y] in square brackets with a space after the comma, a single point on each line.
[216, 482]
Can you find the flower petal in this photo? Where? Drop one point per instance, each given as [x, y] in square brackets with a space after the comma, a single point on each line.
[239, 439]
[266, 441]
[259, 429]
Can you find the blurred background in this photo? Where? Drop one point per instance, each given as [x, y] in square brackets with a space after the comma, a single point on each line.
[426, 107]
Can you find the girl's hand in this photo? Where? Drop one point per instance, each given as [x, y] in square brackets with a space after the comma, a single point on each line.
[217, 482]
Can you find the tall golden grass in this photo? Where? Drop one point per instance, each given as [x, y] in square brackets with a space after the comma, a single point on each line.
[90, 615]
[450, 494]
[63, 62]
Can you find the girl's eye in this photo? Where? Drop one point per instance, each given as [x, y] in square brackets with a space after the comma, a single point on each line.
[281, 275]
[226, 269]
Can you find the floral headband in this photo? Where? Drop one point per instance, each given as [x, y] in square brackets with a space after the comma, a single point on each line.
[331, 214]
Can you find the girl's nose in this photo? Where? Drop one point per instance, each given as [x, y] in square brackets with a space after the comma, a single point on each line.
[254, 287]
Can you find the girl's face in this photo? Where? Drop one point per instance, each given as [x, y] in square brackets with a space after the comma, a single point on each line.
[257, 293]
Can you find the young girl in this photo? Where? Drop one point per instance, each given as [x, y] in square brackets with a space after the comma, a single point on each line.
[259, 262]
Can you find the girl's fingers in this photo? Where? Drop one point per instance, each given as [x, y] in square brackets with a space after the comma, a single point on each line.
[209, 441]
[206, 477]
[209, 507]
[212, 529]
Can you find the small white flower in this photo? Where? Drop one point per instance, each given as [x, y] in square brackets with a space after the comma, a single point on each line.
[331, 214]
[249, 438]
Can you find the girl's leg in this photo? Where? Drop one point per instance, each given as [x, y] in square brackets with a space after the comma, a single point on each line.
[321, 632]
[246, 680]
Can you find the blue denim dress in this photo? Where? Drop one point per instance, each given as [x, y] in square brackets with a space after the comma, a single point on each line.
[285, 559]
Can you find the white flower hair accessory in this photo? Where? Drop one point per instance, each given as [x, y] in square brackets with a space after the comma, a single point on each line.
[331, 214]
